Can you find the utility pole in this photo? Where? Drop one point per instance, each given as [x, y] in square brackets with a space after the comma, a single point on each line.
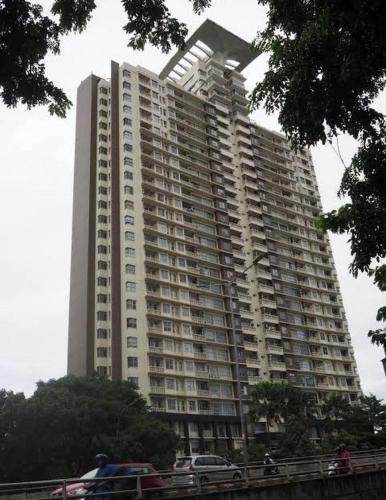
[243, 427]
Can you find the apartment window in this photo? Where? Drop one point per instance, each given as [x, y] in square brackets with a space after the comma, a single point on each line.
[128, 175]
[102, 234]
[130, 269]
[102, 333]
[102, 315]
[102, 204]
[128, 161]
[101, 281]
[102, 249]
[127, 97]
[131, 322]
[102, 371]
[128, 147]
[103, 102]
[128, 190]
[102, 177]
[127, 109]
[131, 286]
[129, 236]
[102, 137]
[132, 362]
[129, 252]
[131, 304]
[102, 352]
[171, 384]
[129, 220]
[102, 190]
[169, 364]
[102, 219]
[127, 122]
[102, 264]
[101, 298]
[126, 73]
[132, 342]
[103, 125]
[127, 135]
[103, 113]
[133, 380]
[129, 205]
[126, 85]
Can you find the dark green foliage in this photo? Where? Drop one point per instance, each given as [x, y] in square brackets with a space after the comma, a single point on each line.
[57, 431]
[288, 405]
[362, 425]
[73, 14]
[150, 21]
[27, 36]
[276, 403]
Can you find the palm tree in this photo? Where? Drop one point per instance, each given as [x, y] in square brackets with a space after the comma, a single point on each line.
[267, 400]
[281, 403]
[335, 409]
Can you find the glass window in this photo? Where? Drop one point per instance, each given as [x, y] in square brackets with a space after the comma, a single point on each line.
[130, 286]
[132, 342]
[131, 322]
[132, 362]
[131, 304]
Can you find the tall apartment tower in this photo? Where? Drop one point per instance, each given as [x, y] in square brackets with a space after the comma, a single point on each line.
[176, 193]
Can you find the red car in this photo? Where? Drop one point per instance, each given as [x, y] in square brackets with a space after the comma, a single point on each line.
[83, 487]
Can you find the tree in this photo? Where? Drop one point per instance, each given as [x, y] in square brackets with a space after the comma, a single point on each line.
[334, 410]
[57, 431]
[282, 403]
[362, 425]
[27, 36]
[266, 403]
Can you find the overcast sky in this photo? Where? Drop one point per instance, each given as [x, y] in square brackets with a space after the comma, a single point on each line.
[36, 160]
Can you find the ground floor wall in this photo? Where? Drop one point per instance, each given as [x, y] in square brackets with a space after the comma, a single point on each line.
[363, 486]
[202, 434]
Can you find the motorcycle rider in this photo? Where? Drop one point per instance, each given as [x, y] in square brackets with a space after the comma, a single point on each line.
[270, 468]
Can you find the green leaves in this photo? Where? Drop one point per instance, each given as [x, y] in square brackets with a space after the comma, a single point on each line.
[150, 22]
[26, 37]
[58, 430]
[73, 14]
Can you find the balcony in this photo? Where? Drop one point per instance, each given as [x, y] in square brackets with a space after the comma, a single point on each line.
[277, 365]
[275, 349]
[157, 389]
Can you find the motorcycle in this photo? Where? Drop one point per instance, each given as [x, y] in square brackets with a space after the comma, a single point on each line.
[333, 468]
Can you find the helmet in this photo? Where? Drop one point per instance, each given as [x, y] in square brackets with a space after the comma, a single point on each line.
[267, 454]
[102, 456]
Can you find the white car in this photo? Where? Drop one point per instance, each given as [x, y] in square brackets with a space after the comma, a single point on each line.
[205, 468]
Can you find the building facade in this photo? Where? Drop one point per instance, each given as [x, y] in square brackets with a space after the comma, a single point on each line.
[176, 193]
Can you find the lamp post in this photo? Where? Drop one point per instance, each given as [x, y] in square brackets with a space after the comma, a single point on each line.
[243, 426]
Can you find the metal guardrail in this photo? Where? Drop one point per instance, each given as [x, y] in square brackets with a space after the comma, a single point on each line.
[179, 484]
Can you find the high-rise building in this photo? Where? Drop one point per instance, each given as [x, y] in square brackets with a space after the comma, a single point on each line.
[176, 193]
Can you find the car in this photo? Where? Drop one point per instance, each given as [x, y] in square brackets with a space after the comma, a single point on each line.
[83, 487]
[206, 468]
